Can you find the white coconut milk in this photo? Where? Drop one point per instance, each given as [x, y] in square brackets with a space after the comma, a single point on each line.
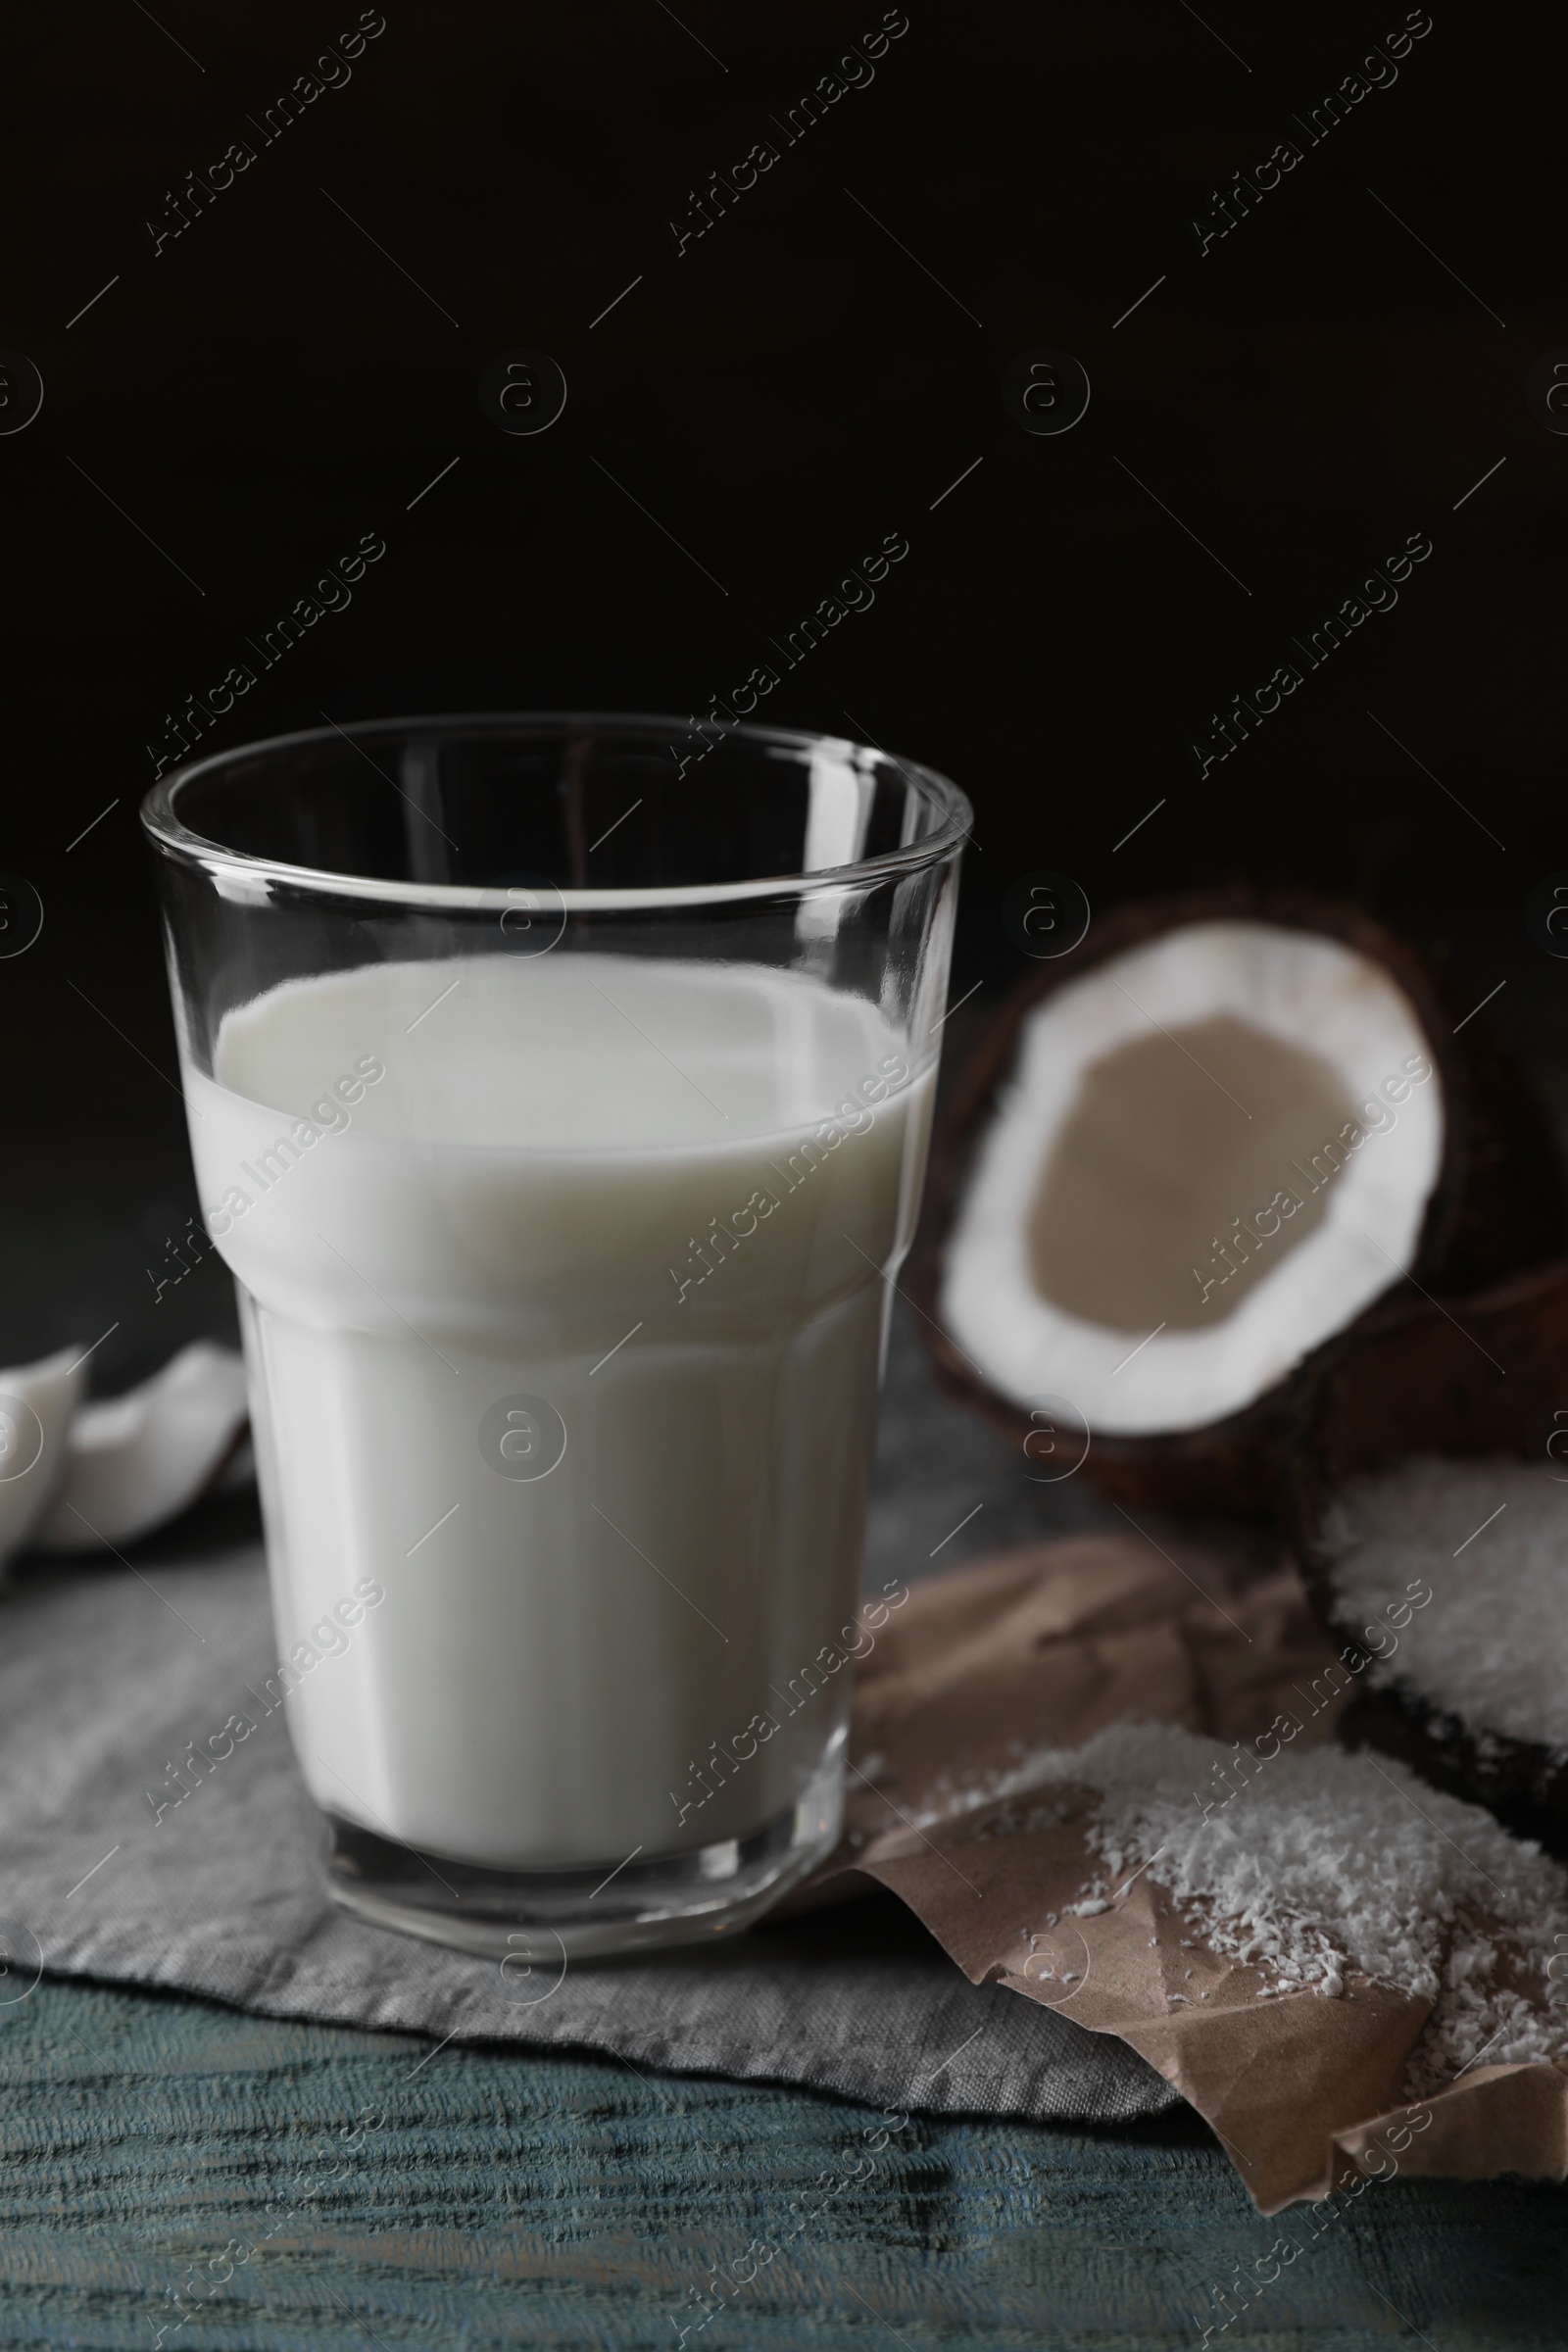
[484, 1210]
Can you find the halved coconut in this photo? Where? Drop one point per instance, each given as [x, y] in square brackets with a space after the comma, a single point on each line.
[1430, 1391]
[1194, 1151]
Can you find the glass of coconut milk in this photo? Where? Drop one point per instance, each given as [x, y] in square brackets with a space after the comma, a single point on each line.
[559, 1090]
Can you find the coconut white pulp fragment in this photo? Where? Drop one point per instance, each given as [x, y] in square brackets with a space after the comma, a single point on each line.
[658, 1198]
[1490, 1538]
[136, 1460]
[1215, 1151]
[37, 1402]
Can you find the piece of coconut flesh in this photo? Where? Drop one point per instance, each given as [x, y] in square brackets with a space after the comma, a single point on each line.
[1128, 1239]
[136, 1460]
[36, 1405]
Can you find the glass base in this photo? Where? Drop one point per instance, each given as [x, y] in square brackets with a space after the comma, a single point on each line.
[545, 1916]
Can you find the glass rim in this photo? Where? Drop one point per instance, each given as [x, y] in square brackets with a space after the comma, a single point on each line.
[166, 830]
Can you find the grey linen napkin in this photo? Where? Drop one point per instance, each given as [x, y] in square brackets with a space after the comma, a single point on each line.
[104, 1676]
[108, 1672]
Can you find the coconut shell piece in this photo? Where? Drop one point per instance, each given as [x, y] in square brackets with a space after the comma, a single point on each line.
[136, 1461]
[36, 1404]
[1497, 1205]
[1475, 1377]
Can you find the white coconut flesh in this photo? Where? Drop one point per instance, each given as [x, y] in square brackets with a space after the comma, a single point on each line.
[1213, 1153]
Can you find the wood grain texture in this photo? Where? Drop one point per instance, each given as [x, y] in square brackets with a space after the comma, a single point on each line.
[152, 2144]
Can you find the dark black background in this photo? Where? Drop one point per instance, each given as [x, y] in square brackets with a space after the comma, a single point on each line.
[792, 387]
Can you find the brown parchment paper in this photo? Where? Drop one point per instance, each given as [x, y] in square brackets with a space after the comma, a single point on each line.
[1042, 1648]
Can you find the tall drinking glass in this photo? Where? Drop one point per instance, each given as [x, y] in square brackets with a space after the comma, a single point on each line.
[559, 1089]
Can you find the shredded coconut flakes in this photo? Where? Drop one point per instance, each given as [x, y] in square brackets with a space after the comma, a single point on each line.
[1491, 1646]
[1325, 1863]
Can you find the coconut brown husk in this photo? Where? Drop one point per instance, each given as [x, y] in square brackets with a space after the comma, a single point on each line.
[1498, 1206]
[1477, 1377]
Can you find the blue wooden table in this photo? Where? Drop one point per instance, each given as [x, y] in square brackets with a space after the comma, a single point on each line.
[234, 2182]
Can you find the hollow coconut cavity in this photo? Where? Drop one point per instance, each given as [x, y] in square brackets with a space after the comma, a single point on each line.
[1215, 1151]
